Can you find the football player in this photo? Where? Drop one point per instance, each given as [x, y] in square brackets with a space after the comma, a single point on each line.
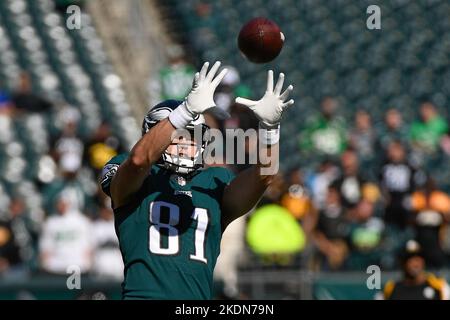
[170, 212]
[417, 283]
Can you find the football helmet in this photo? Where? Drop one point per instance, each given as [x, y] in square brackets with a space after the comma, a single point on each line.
[175, 162]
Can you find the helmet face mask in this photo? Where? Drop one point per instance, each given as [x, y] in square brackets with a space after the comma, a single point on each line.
[174, 158]
[184, 156]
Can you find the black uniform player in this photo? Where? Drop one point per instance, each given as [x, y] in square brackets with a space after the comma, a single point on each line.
[416, 283]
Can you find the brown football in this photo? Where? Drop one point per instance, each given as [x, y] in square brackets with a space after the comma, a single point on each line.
[260, 40]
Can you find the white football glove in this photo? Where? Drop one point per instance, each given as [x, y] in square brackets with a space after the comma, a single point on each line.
[201, 96]
[272, 105]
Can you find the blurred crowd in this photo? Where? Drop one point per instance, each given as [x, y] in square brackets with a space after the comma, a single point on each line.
[378, 186]
[366, 191]
[75, 226]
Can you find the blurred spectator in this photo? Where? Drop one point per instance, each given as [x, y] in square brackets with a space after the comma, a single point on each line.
[325, 133]
[393, 129]
[25, 100]
[445, 143]
[397, 178]
[297, 199]
[203, 9]
[416, 283]
[66, 240]
[68, 154]
[102, 146]
[432, 208]
[365, 236]
[425, 134]
[68, 147]
[331, 232]
[224, 94]
[203, 35]
[107, 262]
[351, 184]
[363, 137]
[319, 181]
[173, 81]
[68, 185]
[15, 242]
[6, 105]
[9, 250]
[62, 5]
[241, 118]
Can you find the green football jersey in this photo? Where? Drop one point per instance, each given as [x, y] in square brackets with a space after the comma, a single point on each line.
[170, 232]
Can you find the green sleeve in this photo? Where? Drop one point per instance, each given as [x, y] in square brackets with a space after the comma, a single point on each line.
[414, 131]
[221, 178]
[305, 140]
[440, 126]
[223, 175]
[109, 170]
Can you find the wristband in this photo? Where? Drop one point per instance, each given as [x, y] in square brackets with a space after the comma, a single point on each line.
[269, 135]
[181, 116]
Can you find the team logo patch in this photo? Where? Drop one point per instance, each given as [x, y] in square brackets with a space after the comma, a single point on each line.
[108, 172]
[428, 293]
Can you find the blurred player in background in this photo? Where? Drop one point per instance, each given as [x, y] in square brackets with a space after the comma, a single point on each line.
[416, 284]
[174, 81]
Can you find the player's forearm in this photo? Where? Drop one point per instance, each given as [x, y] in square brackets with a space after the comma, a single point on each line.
[253, 182]
[132, 173]
[268, 162]
[151, 146]
[247, 189]
[243, 193]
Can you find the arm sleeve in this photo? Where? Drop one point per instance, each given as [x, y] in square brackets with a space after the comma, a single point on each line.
[224, 176]
[109, 170]
[439, 284]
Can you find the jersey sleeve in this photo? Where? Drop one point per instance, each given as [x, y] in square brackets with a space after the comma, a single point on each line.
[439, 284]
[222, 178]
[109, 170]
[388, 289]
[224, 175]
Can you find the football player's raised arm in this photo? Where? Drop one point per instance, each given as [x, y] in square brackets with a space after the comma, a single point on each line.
[245, 191]
[133, 171]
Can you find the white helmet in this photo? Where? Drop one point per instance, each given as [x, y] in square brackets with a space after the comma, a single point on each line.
[175, 163]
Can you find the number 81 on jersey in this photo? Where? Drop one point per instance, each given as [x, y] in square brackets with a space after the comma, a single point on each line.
[173, 246]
